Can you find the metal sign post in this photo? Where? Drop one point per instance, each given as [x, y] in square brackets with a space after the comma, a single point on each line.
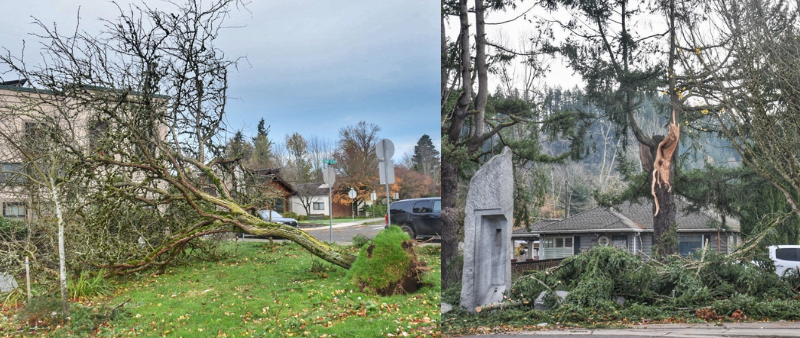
[384, 150]
[329, 177]
[352, 194]
[372, 198]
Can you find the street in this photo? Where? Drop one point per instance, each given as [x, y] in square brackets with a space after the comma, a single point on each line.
[345, 234]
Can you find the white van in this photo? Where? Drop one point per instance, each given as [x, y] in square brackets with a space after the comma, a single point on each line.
[786, 257]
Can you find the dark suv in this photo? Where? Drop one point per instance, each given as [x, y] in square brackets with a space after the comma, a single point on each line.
[418, 217]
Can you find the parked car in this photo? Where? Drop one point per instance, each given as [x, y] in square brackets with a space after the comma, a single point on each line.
[418, 217]
[268, 215]
[786, 257]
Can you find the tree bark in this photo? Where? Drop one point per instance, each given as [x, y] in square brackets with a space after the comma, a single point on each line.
[449, 221]
[62, 260]
[664, 220]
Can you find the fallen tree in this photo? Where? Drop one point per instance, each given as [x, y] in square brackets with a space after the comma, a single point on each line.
[609, 287]
[149, 93]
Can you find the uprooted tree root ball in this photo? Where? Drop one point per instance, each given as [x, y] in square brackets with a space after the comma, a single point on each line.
[389, 265]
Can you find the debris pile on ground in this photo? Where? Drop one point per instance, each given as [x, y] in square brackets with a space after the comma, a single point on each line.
[709, 285]
[611, 287]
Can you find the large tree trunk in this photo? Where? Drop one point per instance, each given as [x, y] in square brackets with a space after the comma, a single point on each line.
[664, 211]
[449, 221]
[664, 220]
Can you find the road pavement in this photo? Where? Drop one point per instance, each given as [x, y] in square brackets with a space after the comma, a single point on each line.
[759, 329]
[342, 232]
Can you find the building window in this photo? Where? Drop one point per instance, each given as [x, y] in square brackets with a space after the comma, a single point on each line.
[557, 247]
[14, 209]
[11, 173]
[97, 130]
[319, 206]
[689, 243]
[620, 242]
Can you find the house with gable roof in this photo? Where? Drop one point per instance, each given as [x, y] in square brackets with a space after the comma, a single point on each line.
[628, 226]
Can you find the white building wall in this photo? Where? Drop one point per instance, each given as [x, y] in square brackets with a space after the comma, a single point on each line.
[297, 207]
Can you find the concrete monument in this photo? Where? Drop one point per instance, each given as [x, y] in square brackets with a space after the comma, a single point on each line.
[7, 282]
[487, 233]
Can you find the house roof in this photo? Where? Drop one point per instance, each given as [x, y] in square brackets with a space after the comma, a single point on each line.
[629, 217]
[275, 175]
[312, 188]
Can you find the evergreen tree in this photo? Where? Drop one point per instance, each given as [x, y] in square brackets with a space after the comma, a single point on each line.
[426, 158]
[262, 148]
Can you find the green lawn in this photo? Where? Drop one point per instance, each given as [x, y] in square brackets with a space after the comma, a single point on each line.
[256, 292]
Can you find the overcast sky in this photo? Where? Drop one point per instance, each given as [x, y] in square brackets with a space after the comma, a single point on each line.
[312, 66]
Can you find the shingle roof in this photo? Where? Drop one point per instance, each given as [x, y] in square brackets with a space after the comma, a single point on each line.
[642, 214]
[628, 217]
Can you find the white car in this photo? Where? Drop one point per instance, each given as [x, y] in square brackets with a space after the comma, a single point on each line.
[786, 257]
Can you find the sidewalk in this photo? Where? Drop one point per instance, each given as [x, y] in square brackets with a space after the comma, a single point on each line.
[758, 329]
[346, 224]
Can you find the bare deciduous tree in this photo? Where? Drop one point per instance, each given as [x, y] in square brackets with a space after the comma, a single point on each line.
[744, 59]
[158, 85]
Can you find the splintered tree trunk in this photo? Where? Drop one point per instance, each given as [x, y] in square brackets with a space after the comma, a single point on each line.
[661, 179]
[449, 225]
[663, 200]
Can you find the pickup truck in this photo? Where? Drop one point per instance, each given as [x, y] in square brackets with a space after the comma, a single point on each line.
[786, 257]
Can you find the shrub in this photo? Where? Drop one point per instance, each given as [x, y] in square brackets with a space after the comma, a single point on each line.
[360, 240]
[86, 286]
[380, 210]
[452, 295]
[290, 214]
[11, 229]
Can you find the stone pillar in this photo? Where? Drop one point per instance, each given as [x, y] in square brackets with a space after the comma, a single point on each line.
[487, 233]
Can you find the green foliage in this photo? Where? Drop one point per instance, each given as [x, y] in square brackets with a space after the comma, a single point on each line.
[383, 263]
[380, 210]
[425, 157]
[11, 229]
[360, 240]
[42, 311]
[743, 194]
[46, 312]
[318, 266]
[290, 214]
[672, 289]
[667, 240]
[452, 295]
[597, 277]
[86, 286]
